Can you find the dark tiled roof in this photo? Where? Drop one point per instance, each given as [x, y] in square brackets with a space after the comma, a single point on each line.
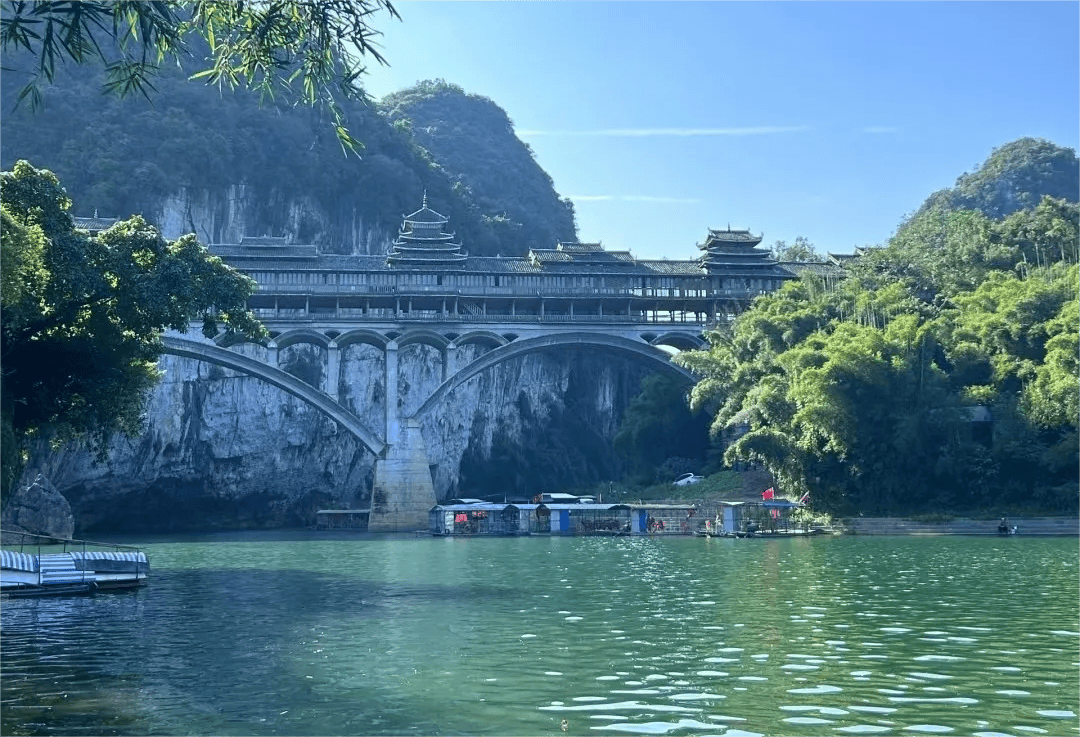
[425, 215]
[684, 268]
[264, 240]
[844, 258]
[731, 236]
[94, 223]
[583, 257]
[580, 247]
[412, 235]
[550, 255]
[798, 268]
[260, 253]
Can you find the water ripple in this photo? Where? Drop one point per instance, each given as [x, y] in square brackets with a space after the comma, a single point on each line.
[399, 636]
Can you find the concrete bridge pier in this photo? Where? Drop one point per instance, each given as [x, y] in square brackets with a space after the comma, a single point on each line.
[450, 361]
[402, 492]
[333, 369]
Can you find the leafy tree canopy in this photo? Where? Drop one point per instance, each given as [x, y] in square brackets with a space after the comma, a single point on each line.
[312, 49]
[942, 373]
[82, 314]
[801, 250]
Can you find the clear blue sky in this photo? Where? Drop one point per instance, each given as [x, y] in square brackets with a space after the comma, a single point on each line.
[826, 120]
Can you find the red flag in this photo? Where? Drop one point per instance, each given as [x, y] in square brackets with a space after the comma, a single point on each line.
[767, 494]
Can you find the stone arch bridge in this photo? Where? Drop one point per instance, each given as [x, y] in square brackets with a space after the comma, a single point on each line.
[402, 491]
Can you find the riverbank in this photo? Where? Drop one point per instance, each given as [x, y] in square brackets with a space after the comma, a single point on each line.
[1026, 526]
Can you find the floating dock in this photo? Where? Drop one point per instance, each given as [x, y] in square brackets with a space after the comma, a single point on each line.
[36, 565]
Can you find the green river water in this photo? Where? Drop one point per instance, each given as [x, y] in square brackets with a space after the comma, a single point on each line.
[303, 633]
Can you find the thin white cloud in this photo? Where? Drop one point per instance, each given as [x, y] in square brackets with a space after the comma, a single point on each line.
[880, 129]
[760, 130]
[633, 198]
[664, 200]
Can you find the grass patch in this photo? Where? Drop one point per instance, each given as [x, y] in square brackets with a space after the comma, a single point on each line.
[807, 518]
[724, 483]
[718, 484]
[932, 518]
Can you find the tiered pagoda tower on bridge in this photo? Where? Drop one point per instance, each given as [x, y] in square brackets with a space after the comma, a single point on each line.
[730, 251]
[422, 244]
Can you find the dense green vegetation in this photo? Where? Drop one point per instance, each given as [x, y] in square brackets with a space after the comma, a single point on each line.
[313, 50]
[1014, 177]
[82, 315]
[466, 134]
[942, 374]
[130, 156]
[659, 438]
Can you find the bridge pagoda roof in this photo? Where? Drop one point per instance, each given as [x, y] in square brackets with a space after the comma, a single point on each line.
[730, 251]
[421, 242]
[718, 237]
[425, 215]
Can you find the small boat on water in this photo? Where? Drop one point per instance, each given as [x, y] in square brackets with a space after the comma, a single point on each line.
[37, 565]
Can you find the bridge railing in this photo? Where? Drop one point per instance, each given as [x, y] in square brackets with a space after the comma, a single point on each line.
[269, 315]
[352, 290]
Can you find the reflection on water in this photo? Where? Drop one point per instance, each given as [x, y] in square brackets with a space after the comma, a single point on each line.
[311, 635]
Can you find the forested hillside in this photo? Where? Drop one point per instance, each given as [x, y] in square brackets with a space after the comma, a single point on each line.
[468, 136]
[1014, 177]
[262, 169]
[940, 375]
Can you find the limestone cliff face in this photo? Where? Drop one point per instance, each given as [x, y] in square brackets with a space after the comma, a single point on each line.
[38, 508]
[222, 450]
[225, 215]
[219, 450]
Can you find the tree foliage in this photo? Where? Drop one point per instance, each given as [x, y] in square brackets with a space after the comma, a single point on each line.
[874, 394]
[658, 427]
[82, 314]
[1016, 176]
[473, 139]
[801, 250]
[120, 156]
[313, 50]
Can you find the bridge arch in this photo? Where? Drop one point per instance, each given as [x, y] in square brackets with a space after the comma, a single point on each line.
[371, 337]
[485, 337]
[302, 335]
[210, 353]
[422, 335]
[531, 345]
[681, 341]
